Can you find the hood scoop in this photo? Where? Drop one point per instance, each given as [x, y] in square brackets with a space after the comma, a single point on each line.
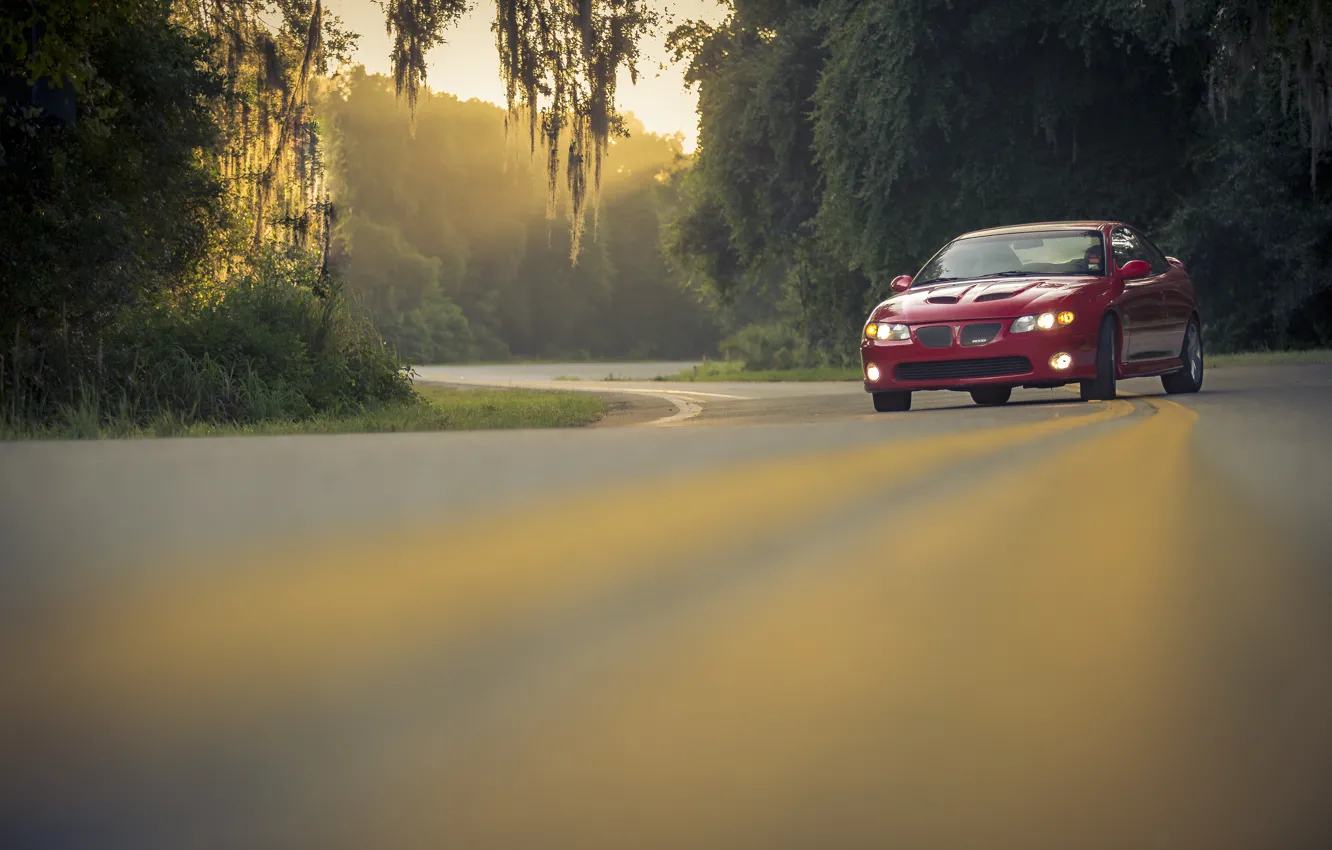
[995, 296]
[942, 299]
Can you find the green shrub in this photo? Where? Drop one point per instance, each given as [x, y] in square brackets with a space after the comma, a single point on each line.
[764, 347]
[275, 343]
[270, 347]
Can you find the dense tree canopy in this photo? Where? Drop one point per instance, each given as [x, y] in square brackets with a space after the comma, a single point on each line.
[843, 142]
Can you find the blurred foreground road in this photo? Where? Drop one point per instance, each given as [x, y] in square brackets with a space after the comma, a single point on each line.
[759, 617]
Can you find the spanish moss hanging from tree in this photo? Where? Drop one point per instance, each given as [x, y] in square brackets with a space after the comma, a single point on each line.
[271, 160]
[559, 60]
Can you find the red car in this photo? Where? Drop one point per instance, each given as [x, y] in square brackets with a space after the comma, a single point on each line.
[1037, 305]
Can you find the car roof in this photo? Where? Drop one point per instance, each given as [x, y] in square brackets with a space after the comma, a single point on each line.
[1045, 225]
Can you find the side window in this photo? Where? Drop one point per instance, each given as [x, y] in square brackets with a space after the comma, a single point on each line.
[1126, 245]
[1160, 265]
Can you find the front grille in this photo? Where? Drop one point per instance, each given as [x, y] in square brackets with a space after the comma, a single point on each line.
[935, 336]
[995, 296]
[980, 334]
[942, 299]
[984, 367]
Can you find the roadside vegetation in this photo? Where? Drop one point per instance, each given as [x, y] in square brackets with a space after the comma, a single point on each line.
[210, 219]
[172, 258]
[733, 371]
[838, 149]
[1269, 358]
[429, 408]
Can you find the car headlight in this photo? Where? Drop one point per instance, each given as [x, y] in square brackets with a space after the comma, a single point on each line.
[895, 332]
[1023, 324]
[1045, 321]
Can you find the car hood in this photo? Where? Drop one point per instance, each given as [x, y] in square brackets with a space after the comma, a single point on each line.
[983, 298]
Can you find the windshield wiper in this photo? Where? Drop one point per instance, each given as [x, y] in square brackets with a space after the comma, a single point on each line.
[1011, 274]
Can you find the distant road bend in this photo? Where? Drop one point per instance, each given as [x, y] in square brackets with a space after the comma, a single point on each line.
[755, 616]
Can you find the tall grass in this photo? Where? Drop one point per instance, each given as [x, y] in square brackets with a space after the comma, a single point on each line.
[276, 344]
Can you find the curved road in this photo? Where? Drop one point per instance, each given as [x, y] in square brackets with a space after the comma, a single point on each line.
[731, 616]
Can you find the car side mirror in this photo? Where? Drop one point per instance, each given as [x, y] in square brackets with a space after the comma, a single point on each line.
[901, 283]
[1135, 268]
[1177, 263]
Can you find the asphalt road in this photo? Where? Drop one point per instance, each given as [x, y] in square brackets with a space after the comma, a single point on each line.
[732, 616]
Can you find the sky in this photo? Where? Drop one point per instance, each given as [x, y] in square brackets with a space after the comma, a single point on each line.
[468, 66]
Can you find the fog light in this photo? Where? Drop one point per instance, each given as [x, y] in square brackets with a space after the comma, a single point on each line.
[1065, 318]
[1061, 361]
[872, 372]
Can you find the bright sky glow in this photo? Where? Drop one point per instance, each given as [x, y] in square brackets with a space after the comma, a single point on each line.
[468, 66]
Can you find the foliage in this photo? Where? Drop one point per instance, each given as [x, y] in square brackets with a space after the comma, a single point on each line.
[96, 217]
[267, 52]
[735, 371]
[842, 142]
[268, 348]
[766, 347]
[433, 409]
[136, 286]
[443, 237]
[560, 62]
[1287, 38]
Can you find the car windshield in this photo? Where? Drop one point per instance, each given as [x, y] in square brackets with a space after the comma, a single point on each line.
[1049, 252]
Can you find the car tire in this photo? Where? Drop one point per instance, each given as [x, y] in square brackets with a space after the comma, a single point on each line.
[1102, 388]
[989, 396]
[1190, 378]
[892, 401]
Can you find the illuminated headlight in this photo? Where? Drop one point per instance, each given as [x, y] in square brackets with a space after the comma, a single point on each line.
[872, 372]
[1045, 321]
[1061, 361]
[877, 331]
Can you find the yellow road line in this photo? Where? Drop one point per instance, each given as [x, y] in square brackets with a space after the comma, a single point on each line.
[1069, 669]
[209, 646]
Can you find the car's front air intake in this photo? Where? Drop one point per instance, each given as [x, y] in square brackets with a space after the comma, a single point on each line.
[942, 370]
[935, 336]
[994, 296]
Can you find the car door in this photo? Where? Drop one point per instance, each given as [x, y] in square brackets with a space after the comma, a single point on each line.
[1176, 297]
[1142, 306]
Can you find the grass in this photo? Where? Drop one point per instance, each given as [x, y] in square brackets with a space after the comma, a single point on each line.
[437, 409]
[732, 371]
[1268, 358]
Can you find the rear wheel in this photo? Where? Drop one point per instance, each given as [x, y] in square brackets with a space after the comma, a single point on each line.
[1103, 387]
[991, 395]
[1190, 378]
[892, 401]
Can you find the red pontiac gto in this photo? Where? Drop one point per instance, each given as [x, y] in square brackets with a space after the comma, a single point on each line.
[1037, 305]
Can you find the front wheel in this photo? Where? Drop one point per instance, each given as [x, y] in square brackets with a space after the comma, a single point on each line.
[991, 395]
[1190, 378]
[1103, 387]
[892, 401]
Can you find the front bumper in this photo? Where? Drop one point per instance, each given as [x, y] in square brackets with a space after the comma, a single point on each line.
[1037, 346]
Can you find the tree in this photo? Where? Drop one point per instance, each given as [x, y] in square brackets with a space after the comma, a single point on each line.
[112, 210]
[901, 123]
[445, 227]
